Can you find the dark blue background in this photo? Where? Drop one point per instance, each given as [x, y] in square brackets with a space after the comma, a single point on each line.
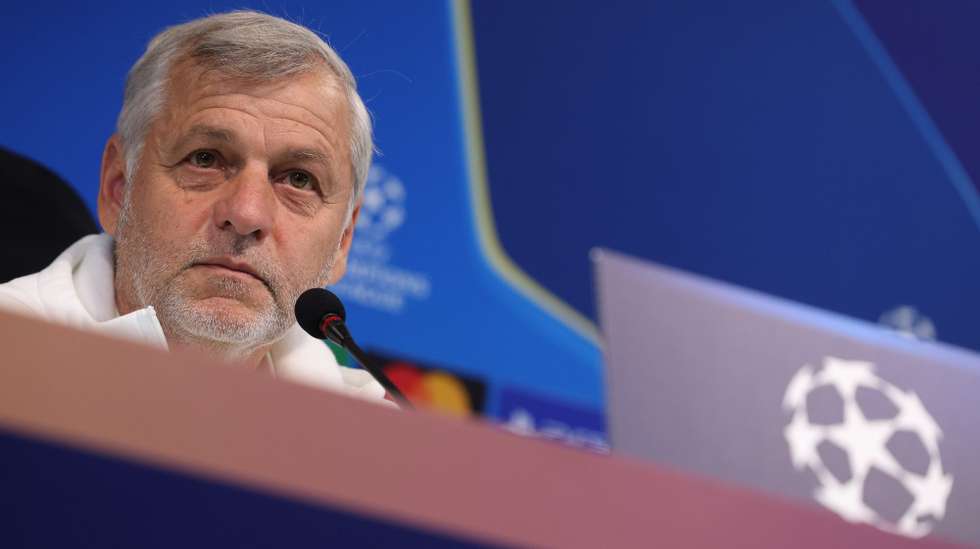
[757, 142]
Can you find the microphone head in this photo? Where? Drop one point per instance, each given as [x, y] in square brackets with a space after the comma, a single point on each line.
[314, 304]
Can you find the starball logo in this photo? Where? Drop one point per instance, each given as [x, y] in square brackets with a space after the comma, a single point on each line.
[383, 205]
[879, 447]
[374, 279]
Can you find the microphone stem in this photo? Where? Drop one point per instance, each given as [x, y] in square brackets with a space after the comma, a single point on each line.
[377, 373]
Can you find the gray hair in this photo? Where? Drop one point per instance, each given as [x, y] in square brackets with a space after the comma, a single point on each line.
[242, 44]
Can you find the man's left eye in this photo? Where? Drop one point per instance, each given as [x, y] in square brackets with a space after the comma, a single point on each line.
[300, 180]
[204, 159]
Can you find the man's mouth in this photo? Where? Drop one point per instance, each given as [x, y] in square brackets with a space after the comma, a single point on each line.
[227, 264]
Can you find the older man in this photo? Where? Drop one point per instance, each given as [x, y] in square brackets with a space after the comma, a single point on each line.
[231, 186]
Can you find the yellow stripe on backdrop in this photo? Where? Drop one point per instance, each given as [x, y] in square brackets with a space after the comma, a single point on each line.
[480, 193]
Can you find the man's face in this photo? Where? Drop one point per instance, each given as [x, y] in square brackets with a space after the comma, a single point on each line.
[238, 205]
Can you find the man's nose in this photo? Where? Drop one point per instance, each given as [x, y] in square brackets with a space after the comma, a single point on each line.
[247, 205]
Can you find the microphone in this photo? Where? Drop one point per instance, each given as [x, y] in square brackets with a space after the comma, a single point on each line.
[321, 314]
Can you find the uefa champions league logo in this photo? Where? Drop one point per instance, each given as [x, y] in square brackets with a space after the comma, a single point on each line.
[382, 206]
[376, 276]
[867, 441]
[909, 322]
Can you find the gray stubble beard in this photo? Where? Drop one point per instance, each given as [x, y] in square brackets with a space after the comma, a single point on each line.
[184, 322]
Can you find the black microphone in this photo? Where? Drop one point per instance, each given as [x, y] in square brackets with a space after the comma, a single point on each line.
[322, 315]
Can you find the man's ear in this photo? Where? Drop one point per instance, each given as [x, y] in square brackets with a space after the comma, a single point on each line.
[340, 262]
[112, 184]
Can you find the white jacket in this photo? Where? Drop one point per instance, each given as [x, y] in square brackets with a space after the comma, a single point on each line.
[77, 290]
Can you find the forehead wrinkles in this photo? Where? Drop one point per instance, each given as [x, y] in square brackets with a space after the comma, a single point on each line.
[313, 100]
[252, 128]
[317, 95]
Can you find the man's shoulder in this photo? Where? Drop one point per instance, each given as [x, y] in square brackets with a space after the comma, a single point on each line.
[360, 383]
[21, 295]
[27, 294]
[300, 358]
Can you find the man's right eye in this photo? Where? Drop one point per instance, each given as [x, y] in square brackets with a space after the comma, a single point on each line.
[203, 159]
